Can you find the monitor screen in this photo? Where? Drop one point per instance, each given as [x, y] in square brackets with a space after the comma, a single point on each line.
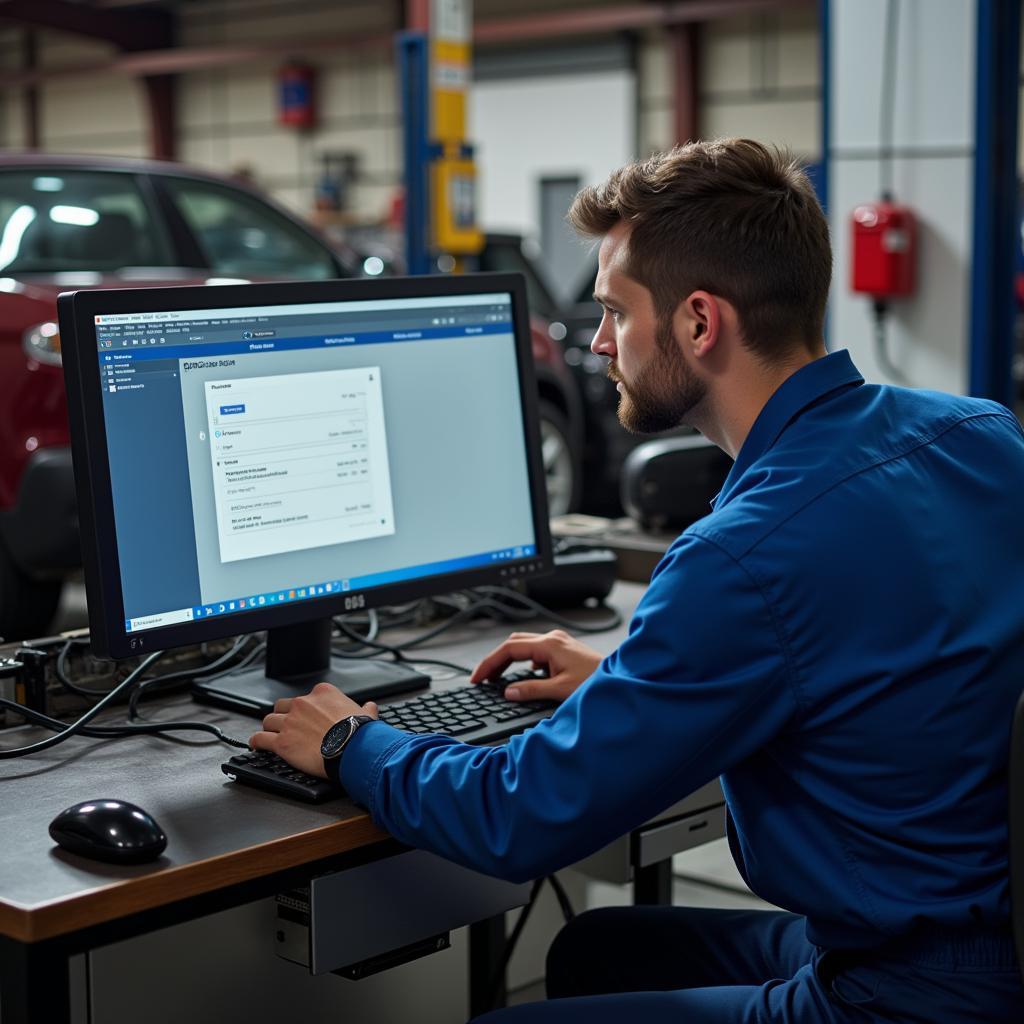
[293, 451]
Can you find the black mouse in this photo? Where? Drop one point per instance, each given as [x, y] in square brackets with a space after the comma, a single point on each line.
[110, 830]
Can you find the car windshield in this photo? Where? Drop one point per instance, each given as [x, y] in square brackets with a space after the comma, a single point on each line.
[239, 234]
[60, 220]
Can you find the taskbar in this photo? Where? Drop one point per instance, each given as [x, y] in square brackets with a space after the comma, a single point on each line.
[324, 588]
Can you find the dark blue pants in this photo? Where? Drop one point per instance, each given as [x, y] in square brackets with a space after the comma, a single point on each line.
[655, 965]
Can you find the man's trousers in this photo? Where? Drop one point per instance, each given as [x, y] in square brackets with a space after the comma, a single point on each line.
[655, 965]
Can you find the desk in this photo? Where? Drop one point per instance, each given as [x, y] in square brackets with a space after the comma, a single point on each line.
[227, 844]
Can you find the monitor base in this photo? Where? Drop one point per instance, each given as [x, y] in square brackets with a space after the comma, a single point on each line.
[253, 692]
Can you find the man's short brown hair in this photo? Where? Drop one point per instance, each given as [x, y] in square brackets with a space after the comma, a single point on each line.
[732, 217]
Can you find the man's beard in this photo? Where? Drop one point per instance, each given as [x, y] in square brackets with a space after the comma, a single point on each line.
[664, 390]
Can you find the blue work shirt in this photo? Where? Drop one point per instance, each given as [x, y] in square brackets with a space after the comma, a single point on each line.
[841, 639]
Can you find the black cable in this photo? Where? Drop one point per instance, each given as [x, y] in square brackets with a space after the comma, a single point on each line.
[613, 622]
[498, 976]
[397, 651]
[76, 727]
[889, 368]
[887, 103]
[61, 671]
[563, 898]
[163, 683]
[119, 731]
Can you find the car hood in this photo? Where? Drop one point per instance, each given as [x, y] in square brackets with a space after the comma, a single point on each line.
[46, 287]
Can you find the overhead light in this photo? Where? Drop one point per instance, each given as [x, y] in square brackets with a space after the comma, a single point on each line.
[373, 266]
[47, 184]
[15, 228]
[81, 216]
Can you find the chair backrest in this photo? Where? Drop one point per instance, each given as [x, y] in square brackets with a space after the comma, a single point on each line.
[1017, 830]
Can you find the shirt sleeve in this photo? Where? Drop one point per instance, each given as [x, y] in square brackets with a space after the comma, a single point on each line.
[701, 682]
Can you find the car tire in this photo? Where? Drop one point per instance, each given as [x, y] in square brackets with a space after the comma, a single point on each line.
[27, 606]
[562, 472]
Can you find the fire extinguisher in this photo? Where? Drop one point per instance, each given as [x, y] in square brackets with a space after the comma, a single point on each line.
[884, 264]
[296, 90]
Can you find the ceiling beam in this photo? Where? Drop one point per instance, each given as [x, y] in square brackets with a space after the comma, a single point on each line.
[588, 21]
[127, 30]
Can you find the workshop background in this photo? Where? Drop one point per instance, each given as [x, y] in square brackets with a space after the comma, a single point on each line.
[303, 101]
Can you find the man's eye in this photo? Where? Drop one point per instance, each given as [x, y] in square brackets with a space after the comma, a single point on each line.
[613, 313]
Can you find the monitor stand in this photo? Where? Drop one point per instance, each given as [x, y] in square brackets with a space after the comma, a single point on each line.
[299, 657]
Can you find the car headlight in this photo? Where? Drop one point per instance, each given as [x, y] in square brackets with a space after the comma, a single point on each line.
[42, 343]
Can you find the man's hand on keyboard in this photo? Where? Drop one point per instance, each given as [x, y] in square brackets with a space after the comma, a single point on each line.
[295, 728]
[568, 663]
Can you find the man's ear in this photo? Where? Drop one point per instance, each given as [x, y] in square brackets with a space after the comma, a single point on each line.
[698, 322]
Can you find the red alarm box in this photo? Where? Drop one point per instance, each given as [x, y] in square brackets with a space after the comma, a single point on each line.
[884, 250]
[296, 85]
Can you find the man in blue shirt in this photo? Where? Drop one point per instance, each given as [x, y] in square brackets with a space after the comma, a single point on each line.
[841, 639]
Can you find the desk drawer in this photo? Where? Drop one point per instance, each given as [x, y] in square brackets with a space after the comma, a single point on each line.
[350, 917]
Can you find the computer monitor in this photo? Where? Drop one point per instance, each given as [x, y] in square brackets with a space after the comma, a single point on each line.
[268, 456]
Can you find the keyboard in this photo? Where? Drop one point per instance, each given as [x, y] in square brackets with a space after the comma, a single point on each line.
[473, 714]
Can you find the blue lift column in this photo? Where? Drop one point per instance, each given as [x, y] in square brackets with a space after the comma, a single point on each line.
[440, 176]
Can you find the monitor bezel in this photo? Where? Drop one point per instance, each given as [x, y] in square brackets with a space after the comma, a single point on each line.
[100, 556]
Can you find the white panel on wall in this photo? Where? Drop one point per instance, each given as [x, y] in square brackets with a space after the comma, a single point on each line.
[934, 81]
[798, 49]
[272, 152]
[195, 98]
[656, 81]
[792, 123]
[111, 105]
[200, 151]
[251, 96]
[934, 133]
[727, 55]
[657, 130]
[558, 125]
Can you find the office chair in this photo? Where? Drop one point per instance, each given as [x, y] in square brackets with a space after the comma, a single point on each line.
[1017, 831]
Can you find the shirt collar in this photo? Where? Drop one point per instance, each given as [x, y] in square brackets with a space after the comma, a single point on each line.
[798, 391]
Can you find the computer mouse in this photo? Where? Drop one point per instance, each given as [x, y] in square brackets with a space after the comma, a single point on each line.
[110, 830]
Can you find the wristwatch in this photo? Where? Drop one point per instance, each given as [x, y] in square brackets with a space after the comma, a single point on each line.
[336, 739]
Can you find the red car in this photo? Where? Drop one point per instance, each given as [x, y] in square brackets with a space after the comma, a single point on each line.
[72, 222]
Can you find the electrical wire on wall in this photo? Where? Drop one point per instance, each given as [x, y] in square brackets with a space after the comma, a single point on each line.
[885, 232]
[886, 114]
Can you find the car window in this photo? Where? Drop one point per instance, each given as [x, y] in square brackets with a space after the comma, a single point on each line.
[55, 220]
[509, 258]
[239, 234]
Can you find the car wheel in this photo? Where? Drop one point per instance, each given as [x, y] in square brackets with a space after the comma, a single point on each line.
[27, 606]
[561, 467]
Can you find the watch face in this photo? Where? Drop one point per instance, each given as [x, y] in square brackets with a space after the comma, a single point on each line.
[335, 738]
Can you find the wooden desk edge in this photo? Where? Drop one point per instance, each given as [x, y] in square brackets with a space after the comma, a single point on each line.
[123, 897]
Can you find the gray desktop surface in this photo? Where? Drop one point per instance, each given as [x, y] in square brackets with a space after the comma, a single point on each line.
[218, 831]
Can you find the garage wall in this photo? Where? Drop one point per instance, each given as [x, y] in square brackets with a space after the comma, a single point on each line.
[228, 116]
[759, 76]
[933, 172]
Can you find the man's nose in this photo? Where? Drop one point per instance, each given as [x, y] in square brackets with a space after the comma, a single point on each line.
[602, 343]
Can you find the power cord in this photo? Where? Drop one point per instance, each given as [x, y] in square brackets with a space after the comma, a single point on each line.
[535, 608]
[119, 731]
[397, 652]
[171, 680]
[568, 914]
[64, 678]
[81, 727]
[889, 368]
[76, 727]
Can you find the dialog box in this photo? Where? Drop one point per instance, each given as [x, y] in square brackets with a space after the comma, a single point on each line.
[299, 461]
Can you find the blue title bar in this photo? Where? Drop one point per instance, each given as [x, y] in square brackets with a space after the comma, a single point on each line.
[335, 340]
